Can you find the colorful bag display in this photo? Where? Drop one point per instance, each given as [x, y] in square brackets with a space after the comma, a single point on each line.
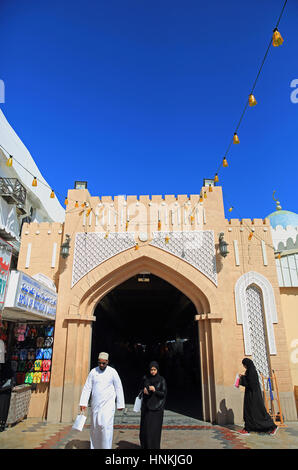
[39, 353]
[37, 365]
[47, 353]
[45, 376]
[46, 365]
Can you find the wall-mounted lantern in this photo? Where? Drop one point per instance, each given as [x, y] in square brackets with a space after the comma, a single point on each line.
[223, 245]
[65, 247]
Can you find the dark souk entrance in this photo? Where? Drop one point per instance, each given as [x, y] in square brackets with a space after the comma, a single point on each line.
[145, 319]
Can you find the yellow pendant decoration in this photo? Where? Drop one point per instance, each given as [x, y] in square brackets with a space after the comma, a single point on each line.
[251, 100]
[224, 163]
[250, 235]
[236, 139]
[34, 182]
[201, 199]
[137, 246]
[167, 239]
[159, 225]
[126, 227]
[231, 208]
[88, 211]
[210, 188]
[52, 194]
[76, 204]
[192, 218]
[9, 161]
[215, 178]
[66, 201]
[106, 235]
[205, 195]
[277, 40]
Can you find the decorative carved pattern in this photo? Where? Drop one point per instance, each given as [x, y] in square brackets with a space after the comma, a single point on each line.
[92, 249]
[242, 308]
[196, 247]
[257, 330]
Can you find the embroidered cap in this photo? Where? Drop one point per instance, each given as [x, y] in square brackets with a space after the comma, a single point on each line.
[103, 355]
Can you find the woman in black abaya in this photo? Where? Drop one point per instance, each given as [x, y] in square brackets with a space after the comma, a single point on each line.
[154, 390]
[255, 414]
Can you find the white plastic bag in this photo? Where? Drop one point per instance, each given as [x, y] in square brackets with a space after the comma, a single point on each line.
[79, 422]
[138, 404]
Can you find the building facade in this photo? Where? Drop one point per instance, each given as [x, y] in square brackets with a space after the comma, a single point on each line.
[237, 307]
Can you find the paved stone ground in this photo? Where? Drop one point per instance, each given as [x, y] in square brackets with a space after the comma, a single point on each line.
[179, 432]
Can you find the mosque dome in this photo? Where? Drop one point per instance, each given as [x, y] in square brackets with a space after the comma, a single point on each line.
[283, 218]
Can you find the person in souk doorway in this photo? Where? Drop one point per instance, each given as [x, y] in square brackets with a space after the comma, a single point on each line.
[154, 392]
[256, 418]
[104, 383]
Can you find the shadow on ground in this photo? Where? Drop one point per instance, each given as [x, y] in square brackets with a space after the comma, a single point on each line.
[77, 444]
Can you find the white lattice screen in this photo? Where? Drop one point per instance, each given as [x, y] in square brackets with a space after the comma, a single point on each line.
[257, 330]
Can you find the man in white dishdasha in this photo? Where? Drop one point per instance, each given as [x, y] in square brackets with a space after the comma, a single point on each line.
[104, 383]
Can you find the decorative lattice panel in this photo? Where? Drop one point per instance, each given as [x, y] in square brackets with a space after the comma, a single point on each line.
[257, 330]
[195, 247]
[92, 249]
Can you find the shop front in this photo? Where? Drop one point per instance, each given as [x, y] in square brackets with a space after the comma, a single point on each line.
[27, 330]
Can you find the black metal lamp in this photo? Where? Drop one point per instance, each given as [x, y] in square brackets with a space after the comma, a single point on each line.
[65, 247]
[223, 245]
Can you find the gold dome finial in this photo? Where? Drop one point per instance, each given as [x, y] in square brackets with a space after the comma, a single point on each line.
[278, 206]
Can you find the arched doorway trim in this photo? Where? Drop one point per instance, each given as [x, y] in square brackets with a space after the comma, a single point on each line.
[269, 305]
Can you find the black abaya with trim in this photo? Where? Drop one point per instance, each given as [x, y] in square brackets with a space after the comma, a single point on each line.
[255, 414]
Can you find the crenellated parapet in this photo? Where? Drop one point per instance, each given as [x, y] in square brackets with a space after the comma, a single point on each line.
[40, 249]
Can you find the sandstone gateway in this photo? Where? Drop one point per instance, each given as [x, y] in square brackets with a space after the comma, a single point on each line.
[218, 308]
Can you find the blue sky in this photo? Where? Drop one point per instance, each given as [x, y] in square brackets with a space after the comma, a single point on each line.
[140, 97]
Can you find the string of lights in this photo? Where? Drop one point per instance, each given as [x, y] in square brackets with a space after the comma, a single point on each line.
[275, 41]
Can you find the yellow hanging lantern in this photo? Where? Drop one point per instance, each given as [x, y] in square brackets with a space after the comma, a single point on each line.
[236, 139]
[9, 161]
[205, 195]
[88, 211]
[83, 205]
[277, 40]
[250, 235]
[224, 162]
[159, 225]
[66, 201]
[107, 235]
[167, 239]
[137, 246]
[192, 218]
[52, 194]
[278, 256]
[231, 208]
[210, 188]
[215, 178]
[126, 227]
[251, 100]
[201, 199]
[34, 182]
[76, 204]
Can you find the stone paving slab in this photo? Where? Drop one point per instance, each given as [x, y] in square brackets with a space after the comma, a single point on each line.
[32, 433]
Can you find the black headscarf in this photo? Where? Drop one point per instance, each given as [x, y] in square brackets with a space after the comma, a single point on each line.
[153, 379]
[251, 372]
